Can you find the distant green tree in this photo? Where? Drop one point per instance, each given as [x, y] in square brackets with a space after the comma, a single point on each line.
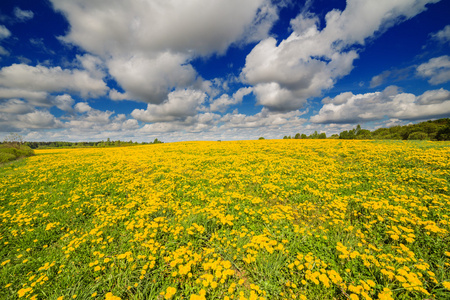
[350, 134]
[418, 135]
[363, 134]
[322, 135]
[304, 136]
[315, 135]
[443, 134]
[261, 138]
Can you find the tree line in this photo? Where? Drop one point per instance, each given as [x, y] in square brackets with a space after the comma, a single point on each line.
[107, 143]
[437, 130]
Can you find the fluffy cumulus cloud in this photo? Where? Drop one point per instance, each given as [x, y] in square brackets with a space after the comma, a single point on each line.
[202, 122]
[24, 78]
[15, 106]
[30, 95]
[147, 45]
[265, 118]
[222, 103]
[310, 60]
[149, 79]
[230, 126]
[118, 27]
[179, 105]
[94, 121]
[18, 115]
[38, 119]
[436, 69]
[64, 102]
[360, 108]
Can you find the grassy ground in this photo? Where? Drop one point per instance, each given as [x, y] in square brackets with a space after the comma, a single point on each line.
[269, 219]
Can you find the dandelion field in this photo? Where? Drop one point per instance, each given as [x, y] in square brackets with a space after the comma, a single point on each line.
[268, 219]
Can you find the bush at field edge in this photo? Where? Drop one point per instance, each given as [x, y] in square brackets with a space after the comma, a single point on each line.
[13, 152]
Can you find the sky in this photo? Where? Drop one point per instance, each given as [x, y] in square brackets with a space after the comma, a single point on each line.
[185, 70]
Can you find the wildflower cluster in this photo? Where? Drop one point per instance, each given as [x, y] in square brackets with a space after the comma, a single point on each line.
[286, 219]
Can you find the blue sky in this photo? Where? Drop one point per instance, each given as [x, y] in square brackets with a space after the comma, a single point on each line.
[179, 70]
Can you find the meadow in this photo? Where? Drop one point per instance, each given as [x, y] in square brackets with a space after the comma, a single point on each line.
[266, 219]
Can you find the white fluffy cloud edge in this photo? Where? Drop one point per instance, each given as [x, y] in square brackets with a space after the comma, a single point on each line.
[148, 50]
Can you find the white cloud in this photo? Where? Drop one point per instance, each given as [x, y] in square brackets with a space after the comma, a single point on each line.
[223, 102]
[311, 60]
[3, 51]
[117, 27]
[90, 125]
[379, 79]
[82, 107]
[442, 36]
[231, 126]
[36, 96]
[436, 69]
[92, 64]
[64, 102]
[179, 105]
[265, 118]
[147, 45]
[89, 118]
[23, 77]
[38, 119]
[116, 95]
[392, 75]
[4, 32]
[433, 97]
[23, 15]
[15, 106]
[149, 79]
[350, 108]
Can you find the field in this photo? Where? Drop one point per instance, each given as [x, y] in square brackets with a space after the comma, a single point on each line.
[268, 219]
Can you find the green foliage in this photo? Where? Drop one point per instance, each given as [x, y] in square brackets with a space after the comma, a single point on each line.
[316, 219]
[10, 152]
[443, 134]
[261, 138]
[418, 135]
[348, 135]
[5, 157]
[315, 135]
[430, 130]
